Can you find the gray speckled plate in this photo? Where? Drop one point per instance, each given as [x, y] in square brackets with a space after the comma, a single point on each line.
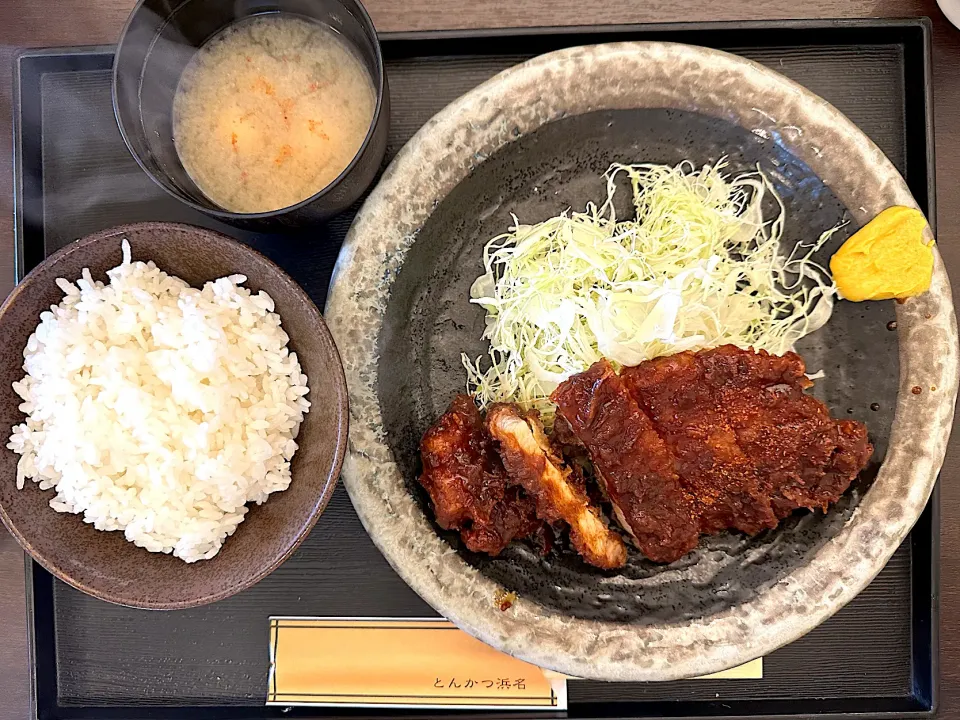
[534, 140]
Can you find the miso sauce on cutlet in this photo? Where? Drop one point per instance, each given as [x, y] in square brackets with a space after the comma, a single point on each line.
[270, 111]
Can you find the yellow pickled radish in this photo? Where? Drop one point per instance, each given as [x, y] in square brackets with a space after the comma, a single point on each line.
[885, 259]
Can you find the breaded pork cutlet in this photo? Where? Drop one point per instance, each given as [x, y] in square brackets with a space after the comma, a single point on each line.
[468, 485]
[531, 460]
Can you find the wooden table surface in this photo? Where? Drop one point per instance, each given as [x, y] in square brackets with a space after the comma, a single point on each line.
[40, 23]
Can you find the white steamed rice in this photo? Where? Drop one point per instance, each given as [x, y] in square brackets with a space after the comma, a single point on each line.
[158, 409]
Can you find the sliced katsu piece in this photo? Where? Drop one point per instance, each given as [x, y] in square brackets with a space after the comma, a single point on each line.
[468, 484]
[632, 463]
[531, 461]
[808, 458]
[726, 487]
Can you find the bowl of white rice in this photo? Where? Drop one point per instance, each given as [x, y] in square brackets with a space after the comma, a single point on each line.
[174, 413]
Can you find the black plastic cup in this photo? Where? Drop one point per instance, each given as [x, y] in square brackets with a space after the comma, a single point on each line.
[157, 43]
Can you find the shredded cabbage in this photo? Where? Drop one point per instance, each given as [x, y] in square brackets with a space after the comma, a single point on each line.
[698, 266]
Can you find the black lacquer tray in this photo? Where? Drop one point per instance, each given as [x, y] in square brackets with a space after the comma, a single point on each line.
[877, 657]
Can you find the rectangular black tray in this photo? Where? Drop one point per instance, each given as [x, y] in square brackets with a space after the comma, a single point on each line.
[877, 657]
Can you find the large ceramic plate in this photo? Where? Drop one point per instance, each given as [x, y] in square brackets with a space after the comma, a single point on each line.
[533, 141]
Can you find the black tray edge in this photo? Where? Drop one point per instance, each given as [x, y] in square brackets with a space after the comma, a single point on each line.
[922, 22]
[925, 700]
[17, 126]
[926, 681]
[666, 27]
